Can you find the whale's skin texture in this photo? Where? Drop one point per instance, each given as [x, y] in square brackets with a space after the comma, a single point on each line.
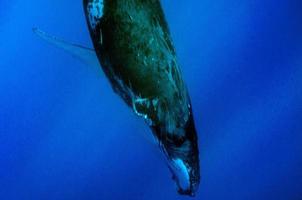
[133, 44]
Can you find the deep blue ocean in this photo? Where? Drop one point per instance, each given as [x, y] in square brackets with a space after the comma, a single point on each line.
[65, 135]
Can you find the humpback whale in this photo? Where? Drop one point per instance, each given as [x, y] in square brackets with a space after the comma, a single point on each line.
[133, 46]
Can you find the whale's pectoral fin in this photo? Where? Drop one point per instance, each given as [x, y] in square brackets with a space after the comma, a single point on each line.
[86, 55]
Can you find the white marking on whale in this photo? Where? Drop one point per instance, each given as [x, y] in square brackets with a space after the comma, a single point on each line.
[181, 172]
[95, 10]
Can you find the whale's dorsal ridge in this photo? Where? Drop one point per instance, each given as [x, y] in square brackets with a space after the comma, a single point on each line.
[85, 54]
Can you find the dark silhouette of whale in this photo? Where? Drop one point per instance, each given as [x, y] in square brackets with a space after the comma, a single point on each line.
[133, 45]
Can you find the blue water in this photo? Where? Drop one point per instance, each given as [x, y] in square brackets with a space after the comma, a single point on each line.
[65, 135]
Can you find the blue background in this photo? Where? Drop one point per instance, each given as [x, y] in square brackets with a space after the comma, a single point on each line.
[65, 135]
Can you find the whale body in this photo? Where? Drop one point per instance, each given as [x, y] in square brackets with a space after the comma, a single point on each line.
[133, 45]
